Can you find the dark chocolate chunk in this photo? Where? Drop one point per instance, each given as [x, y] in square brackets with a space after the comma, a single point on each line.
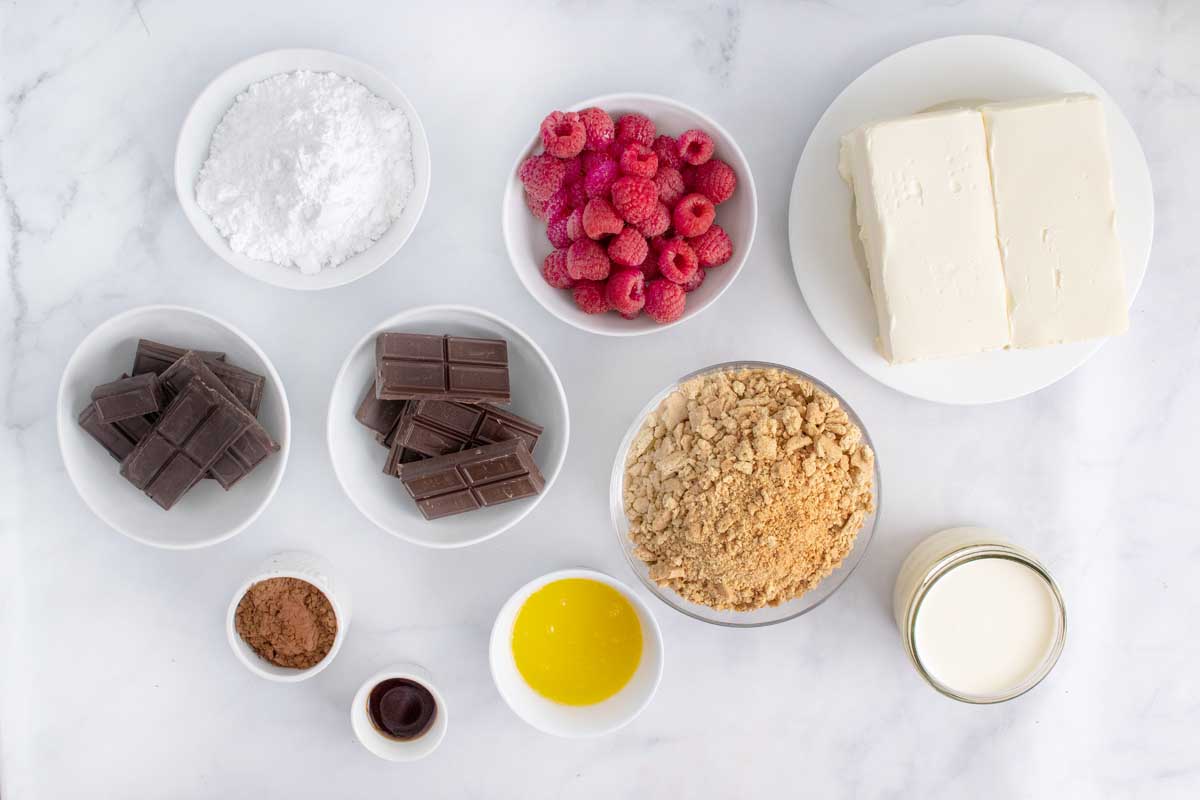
[246, 386]
[118, 438]
[410, 366]
[440, 427]
[155, 357]
[380, 416]
[127, 397]
[471, 479]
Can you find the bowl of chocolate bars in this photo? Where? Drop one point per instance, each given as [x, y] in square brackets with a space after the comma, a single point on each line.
[447, 425]
[173, 425]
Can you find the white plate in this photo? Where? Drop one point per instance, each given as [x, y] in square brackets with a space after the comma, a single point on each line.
[358, 458]
[192, 149]
[525, 235]
[207, 514]
[575, 722]
[822, 230]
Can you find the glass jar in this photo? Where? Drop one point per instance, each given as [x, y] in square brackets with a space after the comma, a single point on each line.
[936, 557]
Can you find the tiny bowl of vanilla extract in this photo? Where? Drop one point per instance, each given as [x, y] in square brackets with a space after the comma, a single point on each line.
[398, 714]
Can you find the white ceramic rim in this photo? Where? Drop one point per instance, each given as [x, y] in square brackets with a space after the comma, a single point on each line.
[284, 439]
[1132, 288]
[746, 181]
[550, 474]
[253, 664]
[499, 643]
[394, 749]
[344, 273]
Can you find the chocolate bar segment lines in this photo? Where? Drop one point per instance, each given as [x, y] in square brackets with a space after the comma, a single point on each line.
[380, 416]
[246, 386]
[411, 366]
[191, 435]
[155, 357]
[127, 397]
[118, 438]
[472, 479]
[440, 427]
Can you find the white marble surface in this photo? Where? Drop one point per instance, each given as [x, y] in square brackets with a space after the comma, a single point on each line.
[117, 680]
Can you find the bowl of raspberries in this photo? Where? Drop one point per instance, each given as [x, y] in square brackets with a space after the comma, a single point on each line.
[629, 213]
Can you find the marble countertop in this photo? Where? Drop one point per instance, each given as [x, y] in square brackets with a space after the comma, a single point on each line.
[116, 677]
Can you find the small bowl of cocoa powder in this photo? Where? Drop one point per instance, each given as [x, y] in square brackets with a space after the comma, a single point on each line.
[288, 621]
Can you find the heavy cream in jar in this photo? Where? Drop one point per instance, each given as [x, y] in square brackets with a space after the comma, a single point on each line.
[982, 620]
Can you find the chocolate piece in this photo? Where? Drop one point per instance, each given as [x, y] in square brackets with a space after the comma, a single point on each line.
[410, 366]
[401, 709]
[127, 397]
[246, 386]
[197, 428]
[251, 448]
[440, 427]
[398, 455]
[118, 438]
[380, 416]
[155, 357]
[471, 479]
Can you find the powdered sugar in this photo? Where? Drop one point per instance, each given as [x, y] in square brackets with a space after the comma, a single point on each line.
[306, 169]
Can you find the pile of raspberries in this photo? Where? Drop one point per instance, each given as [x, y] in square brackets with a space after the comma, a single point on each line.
[630, 212]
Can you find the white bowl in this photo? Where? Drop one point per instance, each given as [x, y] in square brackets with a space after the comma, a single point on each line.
[391, 749]
[196, 134]
[306, 567]
[207, 514]
[358, 458]
[574, 722]
[525, 235]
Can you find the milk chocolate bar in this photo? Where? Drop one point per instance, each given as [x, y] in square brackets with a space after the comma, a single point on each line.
[118, 438]
[189, 437]
[440, 427]
[251, 448]
[410, 366]
[127, 397]
[246, 386]
[472, 479]
[380, 416]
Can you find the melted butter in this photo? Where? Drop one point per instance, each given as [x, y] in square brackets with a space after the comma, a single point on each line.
[577, 641]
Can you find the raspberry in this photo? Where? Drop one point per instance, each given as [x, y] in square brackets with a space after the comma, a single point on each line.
[693, 283]
[693, 215]
[635, 198]
[563, 134]
[695, 147]
[556, 232]
[657, 224]
[586, 260]
[677, 261]
[716, 180]
[591, 297]
[554, 270]
[713, 247]
[575, 225]
[628, 248]
[626, 291]
[670, 185]
[635, 128]
[542, 175]
[667, 150]
[599, 180]
[599, 127]
[536, 207]
[566, 199]
[639, 160]
[665, 301]
[599, 218]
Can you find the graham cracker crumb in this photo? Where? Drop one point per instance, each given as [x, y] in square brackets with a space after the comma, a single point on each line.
[746, 488]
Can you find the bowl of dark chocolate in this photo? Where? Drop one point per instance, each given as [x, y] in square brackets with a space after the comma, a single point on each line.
[401, 709]
[188, 490]
[446, 425]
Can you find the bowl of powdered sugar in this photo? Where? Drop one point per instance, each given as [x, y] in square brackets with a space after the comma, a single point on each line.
[303, 168]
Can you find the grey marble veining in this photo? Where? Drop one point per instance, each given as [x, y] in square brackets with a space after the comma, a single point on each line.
[115, 677]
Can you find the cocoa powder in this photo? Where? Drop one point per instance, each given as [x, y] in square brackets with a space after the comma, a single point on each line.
[287, 621]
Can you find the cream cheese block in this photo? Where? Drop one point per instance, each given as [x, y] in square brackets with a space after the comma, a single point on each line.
[927, 223]
[1056, 219]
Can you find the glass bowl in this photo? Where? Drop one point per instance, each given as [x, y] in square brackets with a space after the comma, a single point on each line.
[769, 615]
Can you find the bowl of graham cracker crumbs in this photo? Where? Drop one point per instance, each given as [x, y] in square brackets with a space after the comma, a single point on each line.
[745, 493]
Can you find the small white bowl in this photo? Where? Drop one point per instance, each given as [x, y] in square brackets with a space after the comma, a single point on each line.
[575, 722]
[306, 567]
[191, 150]
[207, 514]
[358, 458]
[391, 749]
[525, 235]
